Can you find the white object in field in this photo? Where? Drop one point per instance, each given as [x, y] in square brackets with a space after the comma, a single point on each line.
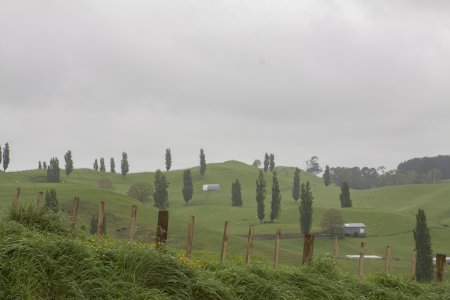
[211, 187]
[365, 257]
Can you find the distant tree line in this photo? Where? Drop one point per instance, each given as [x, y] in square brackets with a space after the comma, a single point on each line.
[413, 171]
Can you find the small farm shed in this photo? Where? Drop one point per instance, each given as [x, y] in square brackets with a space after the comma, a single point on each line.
[211, 187]
[354, 229]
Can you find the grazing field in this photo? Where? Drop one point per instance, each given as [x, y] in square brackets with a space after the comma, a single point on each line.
[40, 258]
[389, 213]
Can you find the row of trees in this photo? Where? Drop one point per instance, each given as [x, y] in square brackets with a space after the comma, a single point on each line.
[99, 165]
[261, 195]
[124, 165]
[53, 169]
[4, 156]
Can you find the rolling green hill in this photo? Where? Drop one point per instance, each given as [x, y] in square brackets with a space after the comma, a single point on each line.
[389, 212]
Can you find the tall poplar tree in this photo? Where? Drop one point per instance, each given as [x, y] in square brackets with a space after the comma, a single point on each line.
[168, 159]
[1, 155]
[260, 195]
[276, 198]
[271, 162]
[202, 163]
[188, 187]
[40, 166]
[327, 176]
[160, 194]
[69, 162]
[345, 195]
[5, 157]
[236, 195]
[95, 165]
[124, 166]
[266, 162]
[53, 170]
[112, 165]
[424, 262]
[305, 208]
[102, 165]
[296, 185]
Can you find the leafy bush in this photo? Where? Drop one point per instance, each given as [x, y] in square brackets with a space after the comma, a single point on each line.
[140, 191]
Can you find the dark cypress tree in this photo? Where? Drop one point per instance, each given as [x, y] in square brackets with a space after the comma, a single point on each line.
[124, 164]
[236, 195]
[188, 187]
[296, 185]
[276, 198]
[112, 164]
[51, 202]
[44, 165]
[5, 157]
[202, 163]
[53, 170]
[160, 194]
[306, 209]
[271, 162]
[95, 165]
[40, 166]
[1, 155]
[260, 195]
[266, 162]
[69, 162]
[327, 176]
[424, 263]
[168, 159]
[345, 195]
[102, 165]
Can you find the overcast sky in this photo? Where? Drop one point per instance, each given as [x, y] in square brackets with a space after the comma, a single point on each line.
[356, 83]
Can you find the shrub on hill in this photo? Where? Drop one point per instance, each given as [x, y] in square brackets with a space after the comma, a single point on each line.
[140, 191]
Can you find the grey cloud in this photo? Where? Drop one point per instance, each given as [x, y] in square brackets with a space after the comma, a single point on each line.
[368, 73]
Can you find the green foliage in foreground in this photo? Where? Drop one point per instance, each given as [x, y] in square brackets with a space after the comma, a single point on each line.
[41, 259]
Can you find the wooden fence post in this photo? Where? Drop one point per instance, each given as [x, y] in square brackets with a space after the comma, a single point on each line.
[190, 236]
[440, 264]
[361, 261]
[336, 248]
[101, 214]
[133, 222]
[162, 228]
[388, 260]
[40, 200]
[413, 264]
[16, 196]
[223, 253]
[277, 249]
[308, 247]
[73, 219]
[251, 230]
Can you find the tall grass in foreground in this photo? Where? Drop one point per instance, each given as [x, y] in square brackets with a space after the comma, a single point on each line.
[41, 259]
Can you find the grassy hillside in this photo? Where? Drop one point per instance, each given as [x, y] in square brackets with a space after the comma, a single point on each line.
[41, 259]
[389, 213]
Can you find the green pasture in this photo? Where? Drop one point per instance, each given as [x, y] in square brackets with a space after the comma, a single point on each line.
[389, 212]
